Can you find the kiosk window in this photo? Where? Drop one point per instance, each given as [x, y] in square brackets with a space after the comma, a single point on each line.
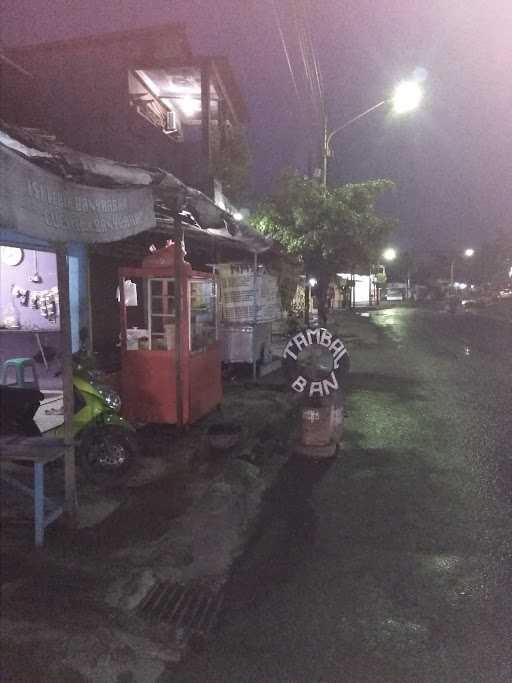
[161, 314]
[203, 314]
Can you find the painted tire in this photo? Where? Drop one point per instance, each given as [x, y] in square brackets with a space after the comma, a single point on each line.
[316, 363]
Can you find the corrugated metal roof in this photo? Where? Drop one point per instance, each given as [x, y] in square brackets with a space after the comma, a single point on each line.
[172, 196]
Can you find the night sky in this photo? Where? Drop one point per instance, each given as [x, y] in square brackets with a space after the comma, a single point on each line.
[451, 160]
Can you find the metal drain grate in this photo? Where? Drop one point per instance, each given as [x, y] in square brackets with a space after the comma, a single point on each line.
[192, 609]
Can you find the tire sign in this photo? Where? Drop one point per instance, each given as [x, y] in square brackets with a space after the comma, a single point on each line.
[315, 361]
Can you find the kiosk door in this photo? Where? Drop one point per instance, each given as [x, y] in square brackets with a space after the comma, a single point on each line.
[149, 354]
[205, 361]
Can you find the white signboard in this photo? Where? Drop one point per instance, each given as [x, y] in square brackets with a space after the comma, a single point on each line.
[245, 298]
[39, 203]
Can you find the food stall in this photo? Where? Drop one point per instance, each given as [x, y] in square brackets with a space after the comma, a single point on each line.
[249, 303]
[170, 357]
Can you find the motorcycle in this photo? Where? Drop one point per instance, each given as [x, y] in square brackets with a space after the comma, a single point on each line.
[107, 447]
[106, 443]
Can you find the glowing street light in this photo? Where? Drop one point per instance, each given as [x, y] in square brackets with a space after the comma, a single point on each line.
[389, 254]
[468, 253]
[406, 97]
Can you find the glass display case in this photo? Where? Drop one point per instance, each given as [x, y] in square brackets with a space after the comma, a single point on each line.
[162, 314]
[203, 314]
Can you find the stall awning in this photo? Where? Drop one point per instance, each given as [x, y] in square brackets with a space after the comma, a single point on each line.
[39, 203]
[52, 192]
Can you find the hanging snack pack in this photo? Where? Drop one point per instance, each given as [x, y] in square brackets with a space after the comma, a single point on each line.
[48, 304]
[45, 301]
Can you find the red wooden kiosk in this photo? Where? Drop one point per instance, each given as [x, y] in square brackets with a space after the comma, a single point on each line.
[171, 362]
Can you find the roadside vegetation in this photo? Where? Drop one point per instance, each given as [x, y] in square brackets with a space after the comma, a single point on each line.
[326, 229]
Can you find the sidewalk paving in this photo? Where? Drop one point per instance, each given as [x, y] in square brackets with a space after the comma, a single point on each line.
[70, 612]
[74, 611]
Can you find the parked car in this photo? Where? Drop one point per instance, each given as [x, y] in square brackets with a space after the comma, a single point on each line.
[472, 303]
[393, 295]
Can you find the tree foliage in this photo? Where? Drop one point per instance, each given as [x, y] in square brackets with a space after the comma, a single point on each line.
[231, 164]
[327, 230]
[492, 261]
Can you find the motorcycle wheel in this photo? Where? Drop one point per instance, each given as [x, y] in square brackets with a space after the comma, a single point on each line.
[107, 454]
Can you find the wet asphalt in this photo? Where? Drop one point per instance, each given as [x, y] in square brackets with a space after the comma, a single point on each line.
[392, 562]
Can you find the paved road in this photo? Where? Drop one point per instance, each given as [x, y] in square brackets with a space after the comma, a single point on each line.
[393, 563]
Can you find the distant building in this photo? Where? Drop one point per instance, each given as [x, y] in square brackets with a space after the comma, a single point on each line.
[140, 97]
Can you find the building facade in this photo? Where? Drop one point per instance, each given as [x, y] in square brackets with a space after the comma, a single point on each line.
[139, 97]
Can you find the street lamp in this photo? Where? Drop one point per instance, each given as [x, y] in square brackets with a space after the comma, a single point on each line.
[389, 254]
[405, 98]
[467, 253]
[378, 273]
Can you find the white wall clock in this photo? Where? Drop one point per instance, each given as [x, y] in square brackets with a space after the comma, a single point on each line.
[12, 256]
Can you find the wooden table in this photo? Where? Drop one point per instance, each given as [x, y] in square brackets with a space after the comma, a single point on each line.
[39, 451]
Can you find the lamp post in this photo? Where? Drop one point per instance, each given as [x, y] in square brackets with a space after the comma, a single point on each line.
[406, 97]
[468, 253]
[389, 255]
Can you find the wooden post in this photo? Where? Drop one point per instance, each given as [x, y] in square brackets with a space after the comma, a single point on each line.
[90, 329]
[255, 280]
[67, 381]
[178, 290]
[206, 142]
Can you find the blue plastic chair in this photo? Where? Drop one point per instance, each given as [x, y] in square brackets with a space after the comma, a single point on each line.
[22, 371]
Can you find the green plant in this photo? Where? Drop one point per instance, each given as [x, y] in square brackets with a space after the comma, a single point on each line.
[325, 229]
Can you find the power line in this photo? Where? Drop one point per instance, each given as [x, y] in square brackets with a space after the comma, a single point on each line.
[305, 61]
[309, 59]
[318, 71]
[285, 50]
[307, 10]
[306, 77]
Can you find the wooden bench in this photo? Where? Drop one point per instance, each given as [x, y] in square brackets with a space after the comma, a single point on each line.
[39, 451]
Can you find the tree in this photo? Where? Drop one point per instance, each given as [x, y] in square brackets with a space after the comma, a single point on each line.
[231, 164]
[492, 261]
[325, 229]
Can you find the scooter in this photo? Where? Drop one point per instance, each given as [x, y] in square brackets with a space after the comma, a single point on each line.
[106, 443]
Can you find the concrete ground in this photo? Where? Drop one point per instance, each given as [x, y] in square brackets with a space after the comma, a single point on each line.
[393, 563]
[390, 564]
[71, 611]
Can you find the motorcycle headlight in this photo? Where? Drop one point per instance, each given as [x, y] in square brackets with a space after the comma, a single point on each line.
[111, 397]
